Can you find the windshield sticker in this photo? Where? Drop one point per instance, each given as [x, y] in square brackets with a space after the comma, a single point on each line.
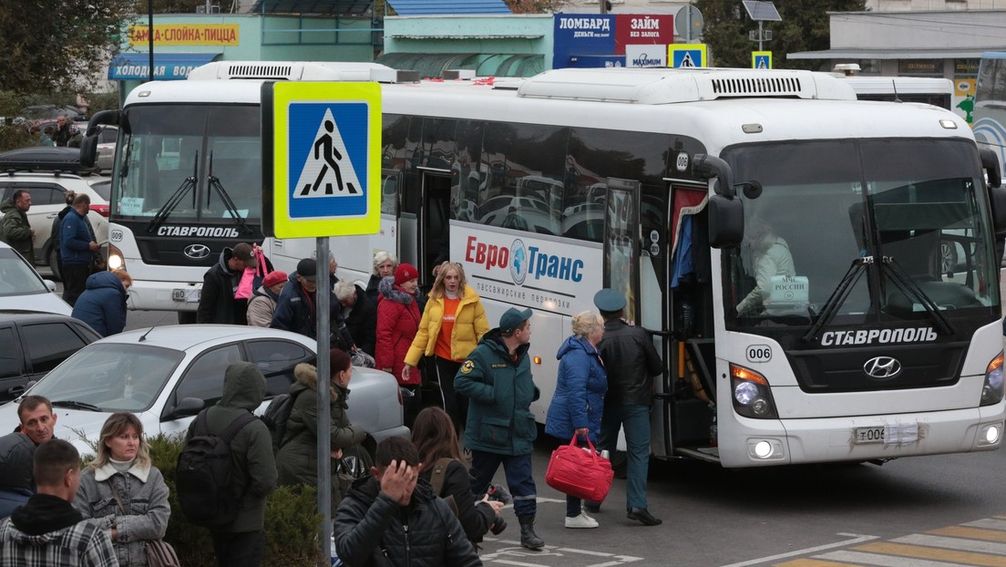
[878, 336]
[132, 206]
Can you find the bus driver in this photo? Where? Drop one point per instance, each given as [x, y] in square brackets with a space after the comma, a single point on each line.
[771, 257]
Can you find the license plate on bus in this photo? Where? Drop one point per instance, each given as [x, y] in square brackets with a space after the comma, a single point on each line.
[185, 294]
[892, 434]
[864, 435]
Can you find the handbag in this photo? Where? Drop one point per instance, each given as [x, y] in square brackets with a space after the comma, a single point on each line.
[579, 471]
[252, 278]
[159, 552]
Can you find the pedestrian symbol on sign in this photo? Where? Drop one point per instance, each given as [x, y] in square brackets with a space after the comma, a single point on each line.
[687, 55]
[327, 171]
[686, 60]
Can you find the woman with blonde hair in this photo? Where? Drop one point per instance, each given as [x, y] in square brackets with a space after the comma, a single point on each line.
[452, 325]
[578, 401]
[124, 491]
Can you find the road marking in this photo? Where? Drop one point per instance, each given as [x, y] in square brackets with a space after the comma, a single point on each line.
[503, 555]
[970, 533]
[883, 560]
[953, 543]
[921, 552]
[814, 563]
[857, 538]
[988, 523]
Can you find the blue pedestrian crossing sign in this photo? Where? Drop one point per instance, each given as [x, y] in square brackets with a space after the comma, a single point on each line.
[761, 59]
[321, 151]
[683, 55]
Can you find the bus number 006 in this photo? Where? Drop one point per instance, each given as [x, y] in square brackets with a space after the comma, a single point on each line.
[759, 353]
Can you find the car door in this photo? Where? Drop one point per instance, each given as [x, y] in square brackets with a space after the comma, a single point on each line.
[202, 380]
[49, 343]
[276, 359]
[11, 361]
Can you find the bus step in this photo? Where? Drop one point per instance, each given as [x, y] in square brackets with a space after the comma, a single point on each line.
[708, 454]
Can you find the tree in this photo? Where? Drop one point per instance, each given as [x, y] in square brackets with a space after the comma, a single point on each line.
[804, 27]
[57, 44]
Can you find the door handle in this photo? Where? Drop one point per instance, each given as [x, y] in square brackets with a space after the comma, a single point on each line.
[52, 216]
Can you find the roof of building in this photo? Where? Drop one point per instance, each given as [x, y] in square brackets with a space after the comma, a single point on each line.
[423, 7]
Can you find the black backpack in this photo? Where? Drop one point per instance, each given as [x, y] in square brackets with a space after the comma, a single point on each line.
[203, 478]
[276, 416]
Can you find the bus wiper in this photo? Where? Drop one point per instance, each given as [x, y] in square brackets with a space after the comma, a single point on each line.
[214, 183]
[838, 296]
[911, 288]
[188, 184]
[74, 404]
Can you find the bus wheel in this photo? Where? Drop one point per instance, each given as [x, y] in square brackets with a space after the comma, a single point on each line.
[186, 317]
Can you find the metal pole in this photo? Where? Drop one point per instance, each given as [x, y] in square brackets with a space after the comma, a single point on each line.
[688, 20]
[761, 36]
[324, 295]
[150, 37]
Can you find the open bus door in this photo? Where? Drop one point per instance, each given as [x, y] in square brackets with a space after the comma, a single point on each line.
[424, 223]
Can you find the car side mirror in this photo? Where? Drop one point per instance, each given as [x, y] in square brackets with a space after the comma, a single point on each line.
[185, 408]
[50, 284]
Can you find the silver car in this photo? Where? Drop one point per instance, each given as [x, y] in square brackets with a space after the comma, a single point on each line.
[166, 375]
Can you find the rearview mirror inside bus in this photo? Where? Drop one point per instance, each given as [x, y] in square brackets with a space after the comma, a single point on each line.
[726, 222]
[990, 162]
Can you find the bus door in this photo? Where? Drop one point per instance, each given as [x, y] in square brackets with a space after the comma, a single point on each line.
[424, 224]
[687, 390]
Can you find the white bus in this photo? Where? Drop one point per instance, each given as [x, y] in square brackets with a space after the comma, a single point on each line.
[854, 357]
[927, 90]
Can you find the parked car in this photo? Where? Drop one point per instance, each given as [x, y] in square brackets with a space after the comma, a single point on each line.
[23, 289]
[107, 137]
[32, 344]
[166, 375]
[48, 174]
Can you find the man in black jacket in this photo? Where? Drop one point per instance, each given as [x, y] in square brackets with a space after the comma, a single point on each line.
[631, 362]
[17, 449]
[360, 315]
[216, 300]
[393, 518]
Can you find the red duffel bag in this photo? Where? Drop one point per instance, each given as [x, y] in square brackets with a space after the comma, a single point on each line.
[579, 472]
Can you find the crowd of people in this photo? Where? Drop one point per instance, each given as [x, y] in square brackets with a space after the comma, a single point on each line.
[435, 488]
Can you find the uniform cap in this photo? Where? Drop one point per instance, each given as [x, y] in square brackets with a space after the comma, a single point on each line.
[609, 300]
[513, 318]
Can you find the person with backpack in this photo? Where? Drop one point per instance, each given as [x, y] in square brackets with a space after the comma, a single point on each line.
[393, 518]
[227, 495]
[298, 449]
[437, 442]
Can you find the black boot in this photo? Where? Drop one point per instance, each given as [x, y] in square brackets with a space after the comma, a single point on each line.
[528, 538]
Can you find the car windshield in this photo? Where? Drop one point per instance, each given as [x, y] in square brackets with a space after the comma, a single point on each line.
[111, 376]
[899, 223]
[17, 277]
[166, 146]
[103, 188]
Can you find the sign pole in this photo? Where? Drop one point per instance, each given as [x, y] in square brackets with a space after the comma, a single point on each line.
[761, 36]
[324, 410]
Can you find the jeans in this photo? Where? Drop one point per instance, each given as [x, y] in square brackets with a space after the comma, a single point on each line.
[518, 479]
[636, 421]
[74, 281]
[242, 548]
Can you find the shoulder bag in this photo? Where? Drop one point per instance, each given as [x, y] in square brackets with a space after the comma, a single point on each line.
[159, 552]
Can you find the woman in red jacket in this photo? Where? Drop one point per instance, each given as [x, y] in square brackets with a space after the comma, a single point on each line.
[397, 322]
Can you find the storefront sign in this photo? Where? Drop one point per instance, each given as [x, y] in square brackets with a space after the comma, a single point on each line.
[187, 34]
[635, 29]
[581, 34]
[920, 67]
[646, 55]
[966, 66]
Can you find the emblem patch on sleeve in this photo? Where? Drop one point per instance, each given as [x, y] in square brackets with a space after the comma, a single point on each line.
[467, 367]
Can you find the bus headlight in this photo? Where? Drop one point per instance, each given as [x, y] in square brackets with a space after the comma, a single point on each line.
[115, 259]
[751, 393]
[992, 389]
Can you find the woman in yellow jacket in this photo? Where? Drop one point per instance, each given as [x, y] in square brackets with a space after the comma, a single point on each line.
[452, 324]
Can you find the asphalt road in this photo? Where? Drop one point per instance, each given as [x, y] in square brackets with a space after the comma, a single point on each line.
[912, 512]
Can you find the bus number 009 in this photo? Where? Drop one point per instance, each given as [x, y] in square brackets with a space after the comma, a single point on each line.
[759, 353]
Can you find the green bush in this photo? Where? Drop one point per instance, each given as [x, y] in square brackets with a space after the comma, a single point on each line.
[291, 520]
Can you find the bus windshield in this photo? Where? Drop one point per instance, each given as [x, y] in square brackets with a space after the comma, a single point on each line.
[899, 223]
[188, 163]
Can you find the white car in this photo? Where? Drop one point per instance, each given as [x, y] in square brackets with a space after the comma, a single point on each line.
[107, 137]
[23, 289]
[166, 375]
[48, 174]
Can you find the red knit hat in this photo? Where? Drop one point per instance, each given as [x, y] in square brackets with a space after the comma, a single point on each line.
[275, 277]
[405, 272]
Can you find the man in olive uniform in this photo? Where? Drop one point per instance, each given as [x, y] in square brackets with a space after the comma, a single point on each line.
[14, 227]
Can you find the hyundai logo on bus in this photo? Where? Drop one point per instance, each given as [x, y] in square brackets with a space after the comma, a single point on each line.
[882, 367]
[879, 336]
[526, 260]
[197, 251]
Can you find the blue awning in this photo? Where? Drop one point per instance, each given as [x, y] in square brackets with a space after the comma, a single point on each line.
[427, 7]
[167, 66]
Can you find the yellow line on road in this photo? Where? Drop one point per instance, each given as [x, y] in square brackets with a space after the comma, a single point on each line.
[921, 552]
[970, 533]
[813, 563]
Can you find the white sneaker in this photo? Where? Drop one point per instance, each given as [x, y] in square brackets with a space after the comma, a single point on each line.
[581, 522]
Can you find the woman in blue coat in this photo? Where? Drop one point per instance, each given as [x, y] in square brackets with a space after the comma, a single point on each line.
[103, 303]
[579, 397]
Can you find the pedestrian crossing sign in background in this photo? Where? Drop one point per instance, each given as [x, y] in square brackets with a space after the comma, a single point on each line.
[682, 55]
[321, 151]
[761, 59]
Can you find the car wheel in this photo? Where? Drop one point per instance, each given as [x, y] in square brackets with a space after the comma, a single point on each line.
[54, 265]
[186, 317]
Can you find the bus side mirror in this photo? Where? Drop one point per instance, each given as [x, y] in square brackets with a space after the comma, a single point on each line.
[710, 167]
[726, 222]
[89, 146]
[990, 163]
[997, 198]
